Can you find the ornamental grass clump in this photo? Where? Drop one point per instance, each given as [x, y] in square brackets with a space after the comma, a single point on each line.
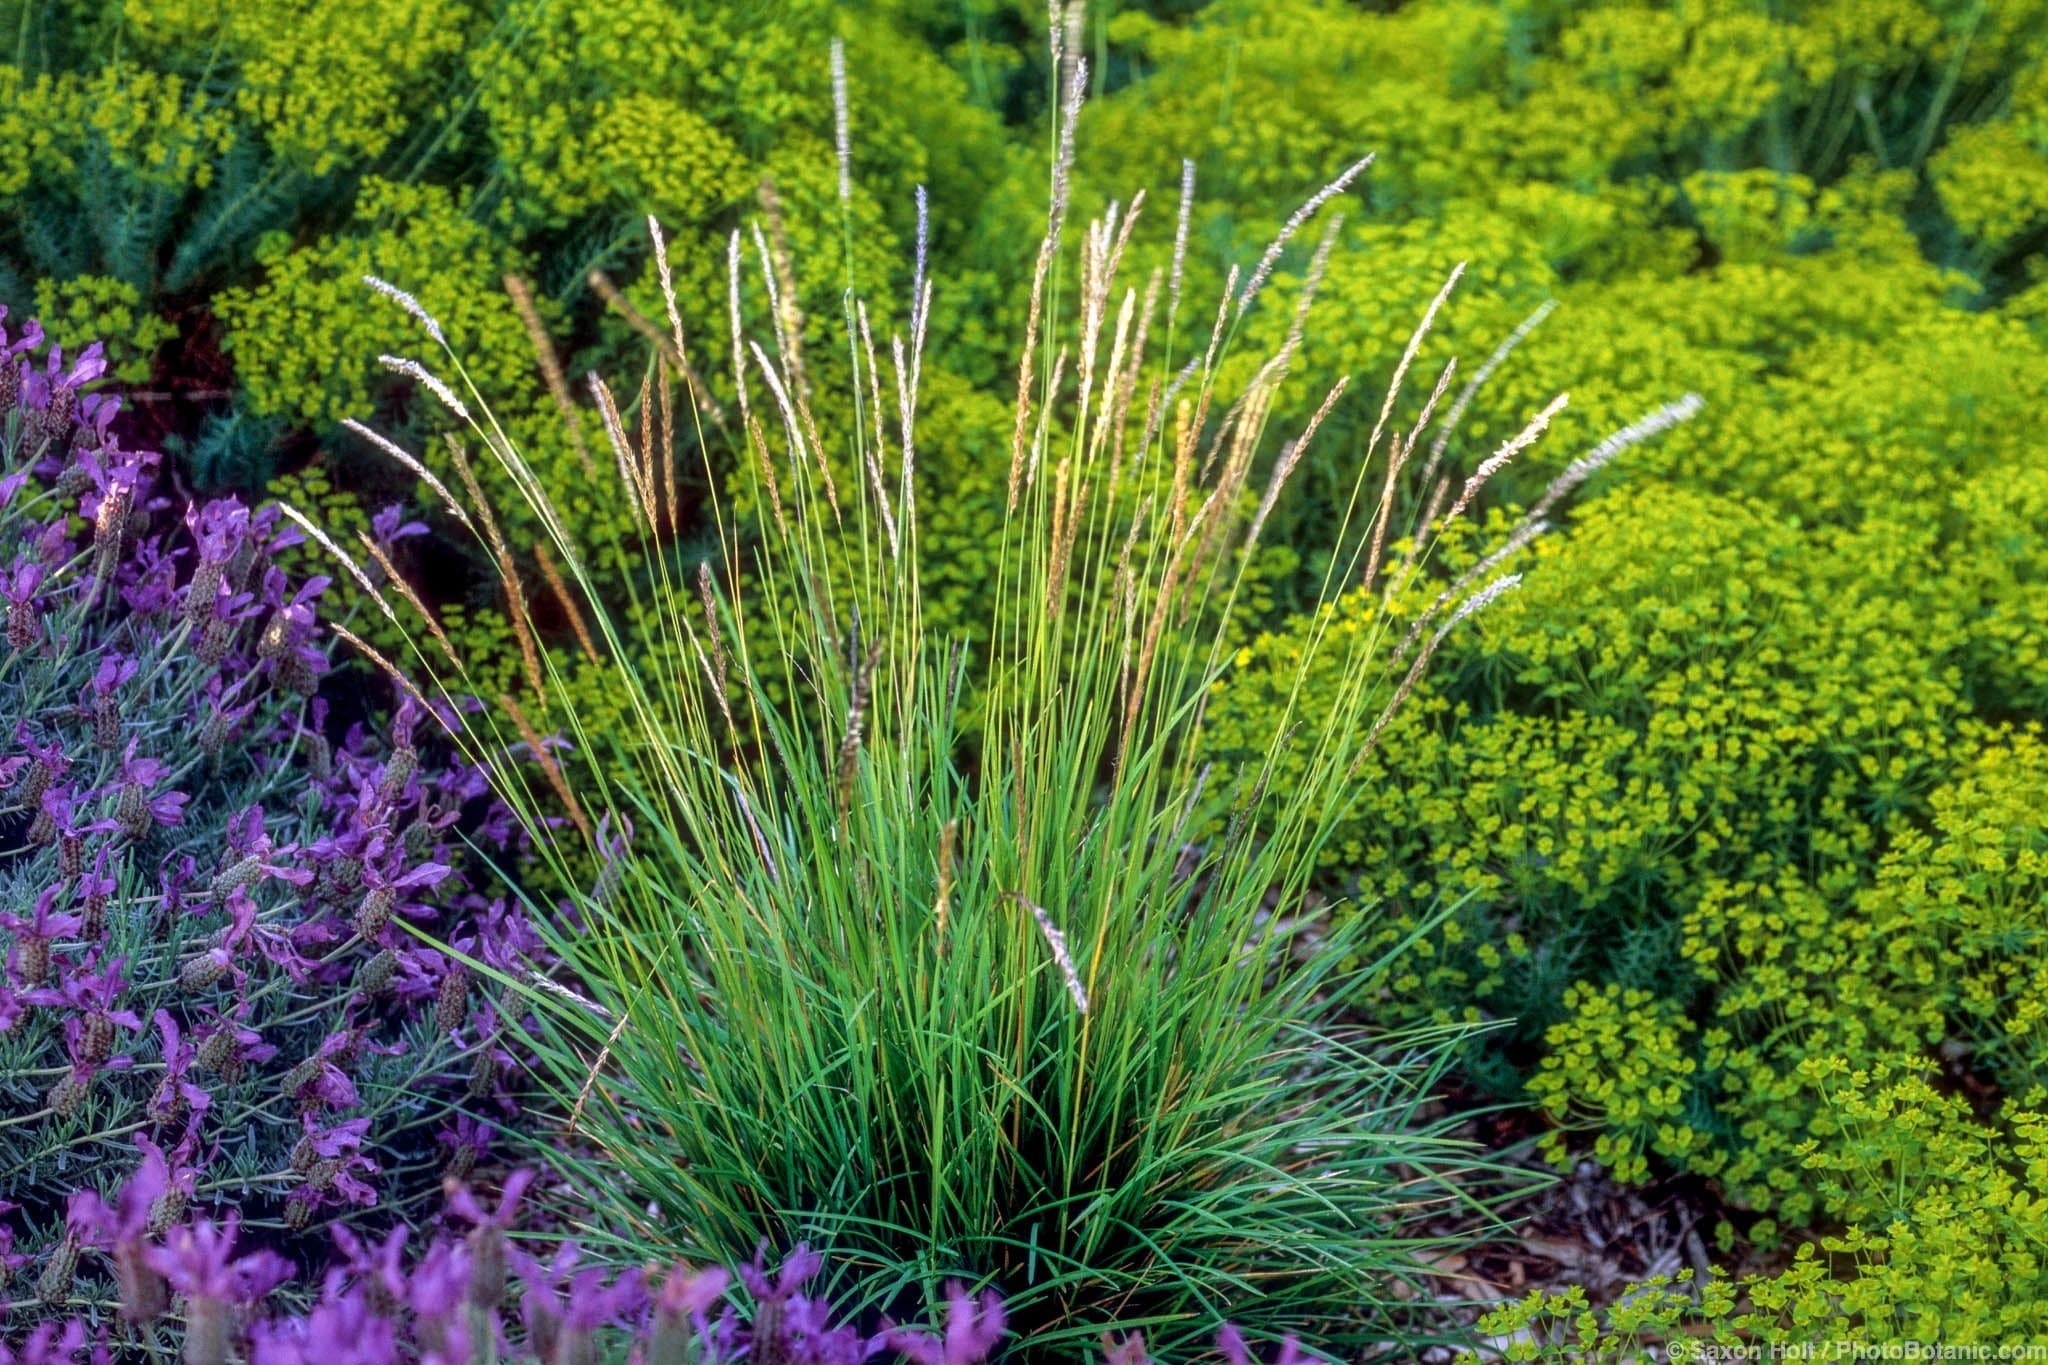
[208, 878]
[961, 961]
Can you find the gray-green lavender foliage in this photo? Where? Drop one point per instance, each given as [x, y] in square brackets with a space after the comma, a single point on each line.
[207, 878]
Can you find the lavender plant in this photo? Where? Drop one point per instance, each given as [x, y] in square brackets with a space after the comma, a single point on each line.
[483, 1295]
[207, 874]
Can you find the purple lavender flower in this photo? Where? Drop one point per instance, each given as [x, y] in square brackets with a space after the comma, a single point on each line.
[230, 1045]
[19, 587]
[139, 807]
[199, 1261]
[342, 1329]
[319, 1081]
[95, 889]
[121, 1230]
[176, 1096]
[389, 526]
[28, 962]
[974, 1328]
[10, 1259]
[91, 992]
[152, 579]
[51, 763]
[487, 1243]
[385, 880]
[441, 1293]
[787, 1323]
[219, 529]
[692, 1294]
[51, 1344]
[379, 1266]
[252, 856]
[174, 874]
[563, 1307]
[468, 1141]
[338, 1165]
[1230, 1343]
[223, 716]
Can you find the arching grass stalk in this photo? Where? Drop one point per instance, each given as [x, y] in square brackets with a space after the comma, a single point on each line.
[964, 965]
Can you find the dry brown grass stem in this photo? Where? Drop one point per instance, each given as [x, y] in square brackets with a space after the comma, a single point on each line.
[1208, 367]
[622, 450]
[355, 570]
[1107, 408]
[789, 319]
[1127, 385]
[1415, 339]
[1294, 224]
[1159, 402]
[391, 671]
[906, 413]
[1421, 534]
[709, 597]
[1219, 509]
[568, 603]
[1477, 602]
[551, 769]
[793, 425]
[872, 454]
[665, 447]
[1048, 249]
[419, 471]
[767, 462]
[665, 344]
[1290, 457]
[1495, 462]
[736, 337]
[1397, 456]
[1134, 694]
[668, 283]
[856, 725]
[1518, 540]
[1258, 394]
[761, 847]
[412, 598]
[1038, 437]
[1642, 429]
[604, 1054]
[649, 478]
[1183, 470]
[515, 597]
[428, 380]
[1477, 381]
[1275, 369]
[842, 137]
[1436, 395]
[1032, 323]
[1063, 548]
[550, 368]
